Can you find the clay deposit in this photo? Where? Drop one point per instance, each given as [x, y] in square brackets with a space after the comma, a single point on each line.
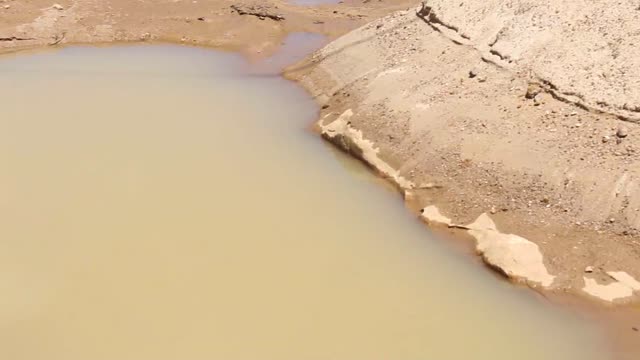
[521, 115]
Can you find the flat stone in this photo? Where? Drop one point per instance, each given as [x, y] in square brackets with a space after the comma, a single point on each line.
[623, 287]
[608, 292]
[432, 214]
[625, 279]
[515, 256]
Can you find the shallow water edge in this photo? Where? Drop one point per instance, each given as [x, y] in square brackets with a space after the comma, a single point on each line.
[272, 73]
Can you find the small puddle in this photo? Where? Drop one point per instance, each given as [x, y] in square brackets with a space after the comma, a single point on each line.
[159, 202]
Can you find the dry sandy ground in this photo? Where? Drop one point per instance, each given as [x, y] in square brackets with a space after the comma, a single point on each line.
[35, 23]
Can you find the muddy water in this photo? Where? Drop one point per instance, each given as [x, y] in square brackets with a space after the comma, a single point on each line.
[159, 203]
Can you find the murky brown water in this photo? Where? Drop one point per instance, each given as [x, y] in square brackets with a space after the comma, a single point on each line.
[157, 203]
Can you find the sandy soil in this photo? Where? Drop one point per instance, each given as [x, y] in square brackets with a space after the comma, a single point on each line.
[494, 139]
[37, 23]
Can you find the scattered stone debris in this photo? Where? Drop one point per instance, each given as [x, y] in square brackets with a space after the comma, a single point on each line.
[260, 11]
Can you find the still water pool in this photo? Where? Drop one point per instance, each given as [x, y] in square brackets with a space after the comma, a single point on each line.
[160, 202]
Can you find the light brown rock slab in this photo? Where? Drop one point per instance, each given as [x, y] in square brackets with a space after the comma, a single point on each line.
[352, 140]
[432, 214]
[515, 256]
[623, 287]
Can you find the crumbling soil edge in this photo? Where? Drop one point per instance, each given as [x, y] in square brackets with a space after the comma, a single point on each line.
[298, 72]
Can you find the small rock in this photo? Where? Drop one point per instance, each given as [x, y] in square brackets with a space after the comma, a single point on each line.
[532, 91]
[201, 18]
[537, 100]
[622, 132]
[482, 78]
[58, 7]
[145, 36]
[634, 328]
[605, 139]
[7, 6]
[588, 269]
[473, 73]
[493, 210]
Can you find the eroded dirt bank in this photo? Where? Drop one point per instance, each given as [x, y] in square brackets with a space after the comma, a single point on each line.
[511, 117]
[520, 112]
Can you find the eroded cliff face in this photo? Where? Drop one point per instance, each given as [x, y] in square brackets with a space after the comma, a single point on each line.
[477, 106]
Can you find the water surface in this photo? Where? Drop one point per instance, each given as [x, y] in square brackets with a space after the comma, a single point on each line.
[160, 203]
